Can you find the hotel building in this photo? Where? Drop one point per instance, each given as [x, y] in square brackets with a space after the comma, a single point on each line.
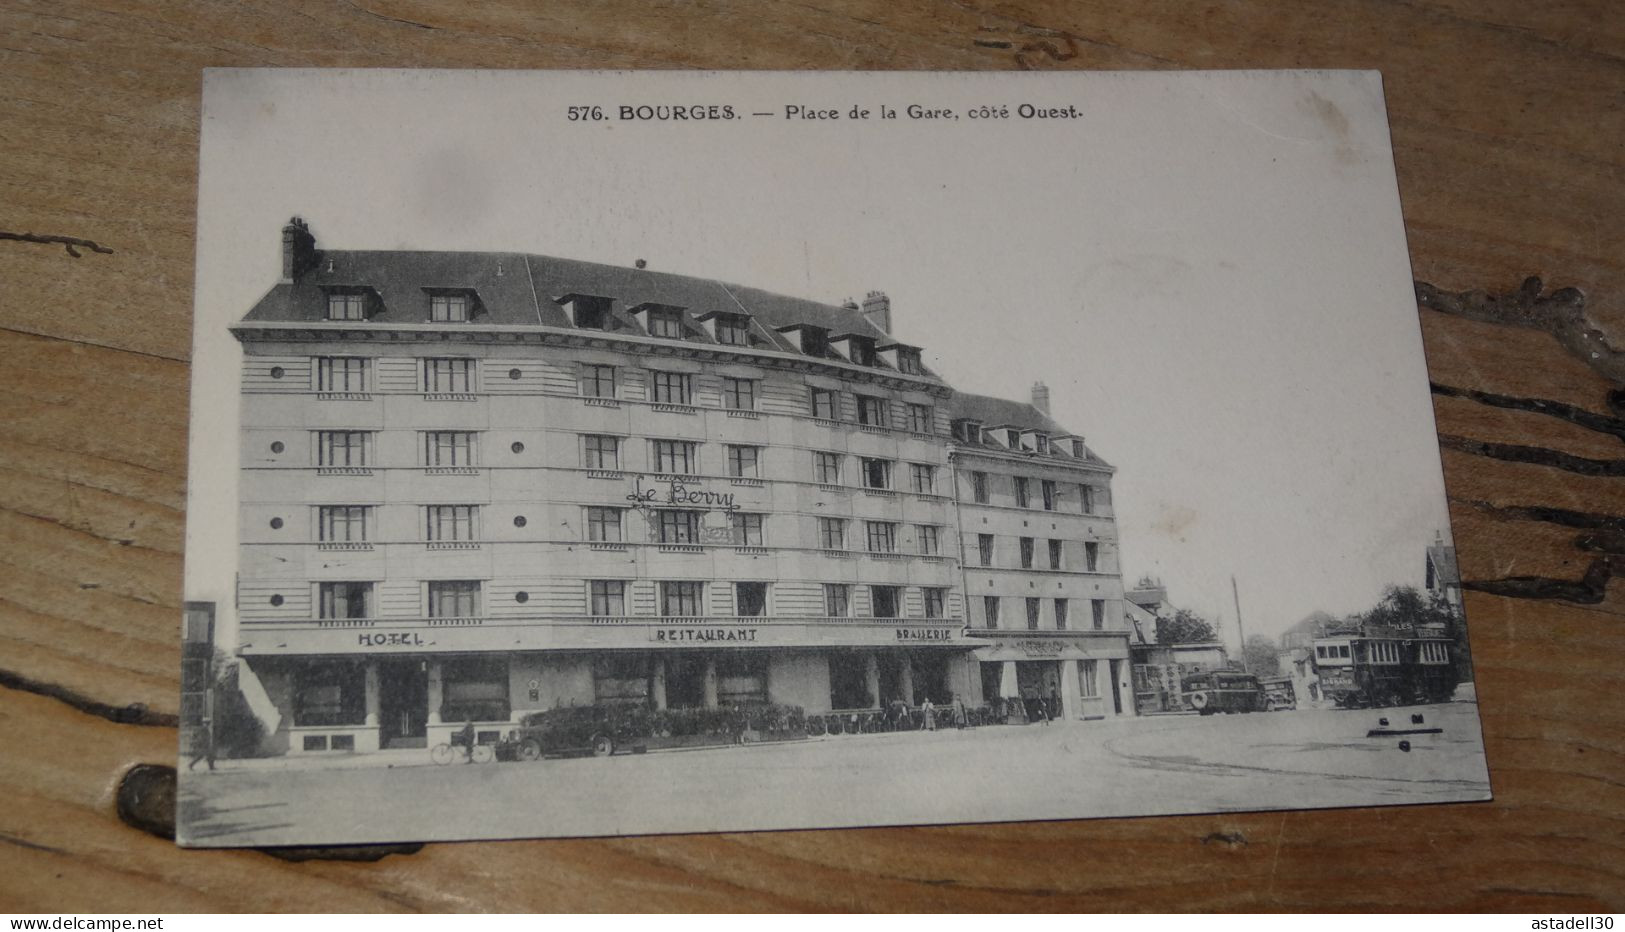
[476, 485]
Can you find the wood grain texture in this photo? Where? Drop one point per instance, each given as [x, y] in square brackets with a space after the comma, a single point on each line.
[1507, 119]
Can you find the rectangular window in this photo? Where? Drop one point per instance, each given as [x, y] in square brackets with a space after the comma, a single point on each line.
[886, 601]
[1047, 487]
[1091, 556]
[678, 527]
[448, 308]
[670, 388]
[908, 361]
[1026, 553]
[1061, 608]
[862, 351]
[604, 524]
[1098, 608]
[450, 522]
[1086, 497]
[920, 419]
[341, 374]
[328, 694]
[827, 468]
[823, 404]
[732, 330]
[922, 478]
[978, 485]
[742, 461]
[674, 457]
[882, 536]
[990, 610]
[666, 322]
[598, 381]
[747, 529]
[876, 473]
[750, 599]
[1032, 614]
[608, 597]
[448, 448]
[872, 411]
[342, 447]
[1023, 497]
[1055, 554]
[342, 523]
[600, 452]
[1088, 680]
[739, 394]
[346, 600]
[935, 601]
[443, 376]
[984, 548]
[351, 306]
[681, 598]
[832, 533]
[837, 600]
[927, 534]
[591, 311]
[454, 598]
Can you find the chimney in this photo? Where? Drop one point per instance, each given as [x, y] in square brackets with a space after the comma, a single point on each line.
[1041, 397]
[877, 310]
[298, 249]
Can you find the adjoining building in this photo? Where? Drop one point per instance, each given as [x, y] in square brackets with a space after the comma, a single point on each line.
[1160, 668]
[1043, 587]
[476, 485]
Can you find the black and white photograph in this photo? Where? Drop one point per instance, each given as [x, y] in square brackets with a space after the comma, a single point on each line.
[612, 453]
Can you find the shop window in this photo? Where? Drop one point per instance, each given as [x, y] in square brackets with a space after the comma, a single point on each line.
[886, 601]
[741, 678]
[849, 681]
[621, 677]
[474, 689]
[329, 694]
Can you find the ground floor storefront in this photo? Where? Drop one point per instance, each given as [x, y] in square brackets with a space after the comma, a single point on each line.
[1036, 678]
[324, 704]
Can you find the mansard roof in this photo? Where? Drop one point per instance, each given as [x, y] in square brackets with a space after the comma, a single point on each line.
[1001, 413]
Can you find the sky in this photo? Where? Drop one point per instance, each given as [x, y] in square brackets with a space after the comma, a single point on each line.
[1208, 270]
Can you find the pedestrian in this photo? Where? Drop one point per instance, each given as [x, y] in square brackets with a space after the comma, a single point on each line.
[1054, 701]
[1029, 702]
[930, 713]
[959, 712]
[899, 714]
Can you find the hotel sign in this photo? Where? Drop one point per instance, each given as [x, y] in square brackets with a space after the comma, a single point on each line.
[680, 493]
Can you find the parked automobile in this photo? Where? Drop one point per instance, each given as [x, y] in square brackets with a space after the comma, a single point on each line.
[590, 729]
[1279, 695]
[1223, 691]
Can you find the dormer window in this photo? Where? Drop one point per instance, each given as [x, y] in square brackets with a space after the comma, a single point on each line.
[970, 431]
[448, 308]
[1078, 449]
[814, 341]
[861, 350]
[732, 329]
[1042, 442]
[1013, 438]
[908, 361]
[589, 312]
[347, 304]
[666, 322]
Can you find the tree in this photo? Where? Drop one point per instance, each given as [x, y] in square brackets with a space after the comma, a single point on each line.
[1186, 627]
[1261, 659]
[1405, 606]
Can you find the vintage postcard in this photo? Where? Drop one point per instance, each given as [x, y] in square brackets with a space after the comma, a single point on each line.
[607, 453]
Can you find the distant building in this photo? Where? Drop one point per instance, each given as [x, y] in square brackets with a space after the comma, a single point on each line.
[1443, 578]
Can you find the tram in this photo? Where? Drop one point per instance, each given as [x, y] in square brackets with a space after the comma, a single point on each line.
[1376, 665]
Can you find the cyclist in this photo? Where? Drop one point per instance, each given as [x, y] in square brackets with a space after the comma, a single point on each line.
[465, 737]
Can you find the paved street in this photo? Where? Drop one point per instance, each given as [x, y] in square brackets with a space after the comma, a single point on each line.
[1161, 765]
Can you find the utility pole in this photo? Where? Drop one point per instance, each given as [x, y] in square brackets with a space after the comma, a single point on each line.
[1240, 632]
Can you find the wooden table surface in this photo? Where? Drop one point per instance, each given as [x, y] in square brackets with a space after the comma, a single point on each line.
[1508, 119]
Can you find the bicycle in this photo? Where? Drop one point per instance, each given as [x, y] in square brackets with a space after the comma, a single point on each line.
[446, 753]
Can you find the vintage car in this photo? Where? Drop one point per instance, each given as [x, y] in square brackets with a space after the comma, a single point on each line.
[1279, 695]
[1222, 691]
[576, 730]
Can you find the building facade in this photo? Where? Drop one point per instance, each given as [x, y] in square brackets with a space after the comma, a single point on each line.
[1039, 550]
[476, 485]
